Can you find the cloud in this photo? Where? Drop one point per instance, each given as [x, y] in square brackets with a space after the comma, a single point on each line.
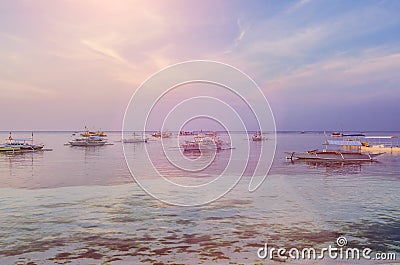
[280, 44]
[299, 4]
[12, 90]
[366, 77]
[242, 32]
[104, 51]
[11, 37]
[242, 29]
[295, 44]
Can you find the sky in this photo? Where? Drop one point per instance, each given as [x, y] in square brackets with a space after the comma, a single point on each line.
[322, 65]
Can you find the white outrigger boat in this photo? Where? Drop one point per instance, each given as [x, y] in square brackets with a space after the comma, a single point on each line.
[164, 134]
[88, 141]
[20, 145]
[386, 144]
[135, 139]
[338, 155]
[203, 143]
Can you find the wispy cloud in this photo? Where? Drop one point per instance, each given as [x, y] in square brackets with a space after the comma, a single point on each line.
[297, 43]
[345, 78]
[97, 47]
[278, 45]
[11, 37]
[12, 90]
[299, 4]
[241, 32]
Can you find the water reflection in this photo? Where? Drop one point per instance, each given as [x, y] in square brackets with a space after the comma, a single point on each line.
[20, 166]
[334, 168]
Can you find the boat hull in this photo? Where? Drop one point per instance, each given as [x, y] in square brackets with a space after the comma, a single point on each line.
[390, 150]
[32, 147]
[199, 149]
[84, 143]
[9, 149]
[334, 156]
[133, 141]
[21, 147]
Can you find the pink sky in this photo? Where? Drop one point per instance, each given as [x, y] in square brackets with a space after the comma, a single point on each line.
[70, 64]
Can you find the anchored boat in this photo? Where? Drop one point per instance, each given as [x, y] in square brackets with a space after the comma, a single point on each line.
[88, 133]
[203, 143]
[135, 139]
[258, 137]
[339, 134]
[386, 144]
[89, 139]
[164, 134]
[337, 154]
[20, 145]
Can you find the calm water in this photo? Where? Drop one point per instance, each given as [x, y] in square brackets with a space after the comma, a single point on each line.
[81, 206]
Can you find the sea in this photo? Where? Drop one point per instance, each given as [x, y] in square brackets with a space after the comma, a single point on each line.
[97, 205]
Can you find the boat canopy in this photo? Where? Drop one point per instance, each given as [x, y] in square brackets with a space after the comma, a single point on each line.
[21, 139]
[353, 134]
[348, 143]
[380, 137]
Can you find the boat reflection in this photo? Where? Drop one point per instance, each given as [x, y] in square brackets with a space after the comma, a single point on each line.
[335, 168]
[19, 167]
[208, 155]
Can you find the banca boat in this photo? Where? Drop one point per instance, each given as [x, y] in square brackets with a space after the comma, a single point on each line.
[336, 155]
[20, 144]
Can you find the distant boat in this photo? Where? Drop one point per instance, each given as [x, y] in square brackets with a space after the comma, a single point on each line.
[88, 141]
[88, 133]
[211, 133]
[386, 144]
[20, 144]
[336, 134]
[258, 137]
[204, 143]
[135, 139]
[336, 155]
[183, 133]
[353, 134]
[164, 134]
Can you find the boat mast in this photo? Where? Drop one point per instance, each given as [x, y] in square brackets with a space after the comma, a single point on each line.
[326, 140]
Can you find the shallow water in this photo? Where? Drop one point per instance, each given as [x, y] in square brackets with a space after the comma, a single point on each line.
[81, 206]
